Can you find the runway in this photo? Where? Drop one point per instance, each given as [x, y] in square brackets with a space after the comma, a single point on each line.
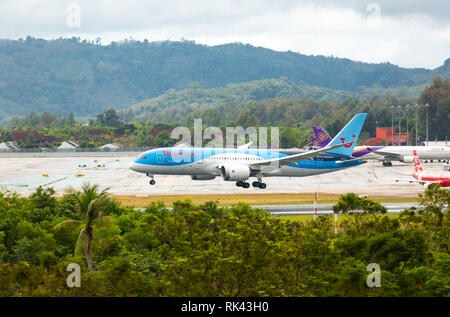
[24, 173]
[324, 209]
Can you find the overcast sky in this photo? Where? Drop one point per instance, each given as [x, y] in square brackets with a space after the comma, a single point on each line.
[409, 33]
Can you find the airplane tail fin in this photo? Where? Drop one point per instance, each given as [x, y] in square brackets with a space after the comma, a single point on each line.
[417, 166]
[350, 133]
[320, 138]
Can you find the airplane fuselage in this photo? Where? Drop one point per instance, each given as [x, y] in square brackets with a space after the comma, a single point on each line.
[442, 177]
[207, 161]
[424, 152]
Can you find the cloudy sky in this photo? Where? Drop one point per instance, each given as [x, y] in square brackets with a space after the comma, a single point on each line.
[409, 33]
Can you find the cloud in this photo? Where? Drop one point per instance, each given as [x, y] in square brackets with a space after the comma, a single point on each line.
[406, 33]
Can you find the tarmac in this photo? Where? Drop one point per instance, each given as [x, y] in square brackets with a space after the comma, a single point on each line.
[24, 173]
[326, 209]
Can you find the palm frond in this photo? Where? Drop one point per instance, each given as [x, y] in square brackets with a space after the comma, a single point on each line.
[104, 221]
[81, 243]
[67, 224]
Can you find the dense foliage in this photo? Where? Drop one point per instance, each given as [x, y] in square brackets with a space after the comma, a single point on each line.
[237, 105]
[173, 105]
[437, 96]
[69, 75]
[141, 127]
[208, 250]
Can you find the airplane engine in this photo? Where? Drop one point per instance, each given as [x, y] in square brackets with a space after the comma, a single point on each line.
[407, 159]
[202, 177]
[235, 172]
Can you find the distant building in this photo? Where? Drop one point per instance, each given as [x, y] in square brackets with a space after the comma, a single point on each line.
[68, 146]
[389, 136]
[110, 147]
[8, 146]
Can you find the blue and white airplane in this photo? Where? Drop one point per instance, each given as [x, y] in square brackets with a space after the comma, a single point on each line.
[239, 164]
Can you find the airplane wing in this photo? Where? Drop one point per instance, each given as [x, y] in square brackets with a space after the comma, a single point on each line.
[349, 160]
[410, 181]
[245, 146]
[295, 157]
[387, 155]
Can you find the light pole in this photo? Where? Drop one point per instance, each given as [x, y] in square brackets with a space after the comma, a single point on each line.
[399, 125]
[426, 111]
[417, 107]
[407, 126]
[392, 127]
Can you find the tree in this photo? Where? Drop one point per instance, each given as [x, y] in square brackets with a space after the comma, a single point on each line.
[163, 139]
[108, 118]
[89, 205]
[438, 97]
[289, 138]
[358, 208]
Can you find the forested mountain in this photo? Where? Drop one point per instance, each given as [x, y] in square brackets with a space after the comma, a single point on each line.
[173, 106]
[69, 75]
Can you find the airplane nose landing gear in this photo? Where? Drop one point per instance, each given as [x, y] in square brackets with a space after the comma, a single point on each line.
[152, 181]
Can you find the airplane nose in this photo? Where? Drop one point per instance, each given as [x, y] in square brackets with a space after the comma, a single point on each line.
[133, 166]
[139, 167]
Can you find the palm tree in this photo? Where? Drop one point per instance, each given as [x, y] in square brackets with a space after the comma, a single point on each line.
[89, 204]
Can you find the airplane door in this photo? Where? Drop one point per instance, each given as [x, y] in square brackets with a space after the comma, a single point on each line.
[199, 164]
[159, 158]
[320, 160]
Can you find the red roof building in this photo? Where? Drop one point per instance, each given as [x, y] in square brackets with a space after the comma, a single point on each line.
[389, 136]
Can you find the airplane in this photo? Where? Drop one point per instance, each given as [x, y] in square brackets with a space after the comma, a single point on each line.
[239, 164]
[426, 178]
[387, 154]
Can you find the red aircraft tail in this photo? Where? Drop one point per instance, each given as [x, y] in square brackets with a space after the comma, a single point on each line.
[417, 166]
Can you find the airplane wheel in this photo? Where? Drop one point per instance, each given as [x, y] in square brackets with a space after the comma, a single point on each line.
[390, 164]
[152, 182]
[262, 185]
[255, 184]
[239, 183]
[246, 185]
[384, 164]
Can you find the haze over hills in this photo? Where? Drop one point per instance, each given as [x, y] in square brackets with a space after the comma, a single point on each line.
[69, 75]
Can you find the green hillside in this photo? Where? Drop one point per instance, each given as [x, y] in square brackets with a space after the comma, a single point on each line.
[69, 75]
[173, 106]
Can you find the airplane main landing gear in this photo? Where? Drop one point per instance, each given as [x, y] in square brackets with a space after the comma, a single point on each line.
[259, 184]
[387, 163]
[242, 184]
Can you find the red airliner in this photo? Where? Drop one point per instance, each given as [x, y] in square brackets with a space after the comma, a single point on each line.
[427, 178]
